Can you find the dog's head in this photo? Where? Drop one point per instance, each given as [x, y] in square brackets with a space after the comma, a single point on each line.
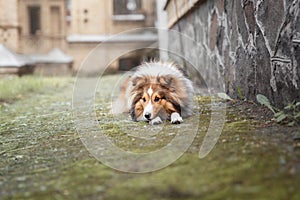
[152, 97]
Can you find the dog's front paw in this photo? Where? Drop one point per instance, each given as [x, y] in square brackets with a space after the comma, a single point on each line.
[156, 121]
[175, 118]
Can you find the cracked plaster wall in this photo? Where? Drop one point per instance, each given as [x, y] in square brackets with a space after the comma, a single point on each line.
[254, 45]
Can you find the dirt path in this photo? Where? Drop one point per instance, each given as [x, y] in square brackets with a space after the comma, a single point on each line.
[42, 156]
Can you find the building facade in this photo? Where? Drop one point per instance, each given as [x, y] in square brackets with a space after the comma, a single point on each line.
[93, 22]
[33, 26]
[75, 26]
[9, 24]
[42, 25]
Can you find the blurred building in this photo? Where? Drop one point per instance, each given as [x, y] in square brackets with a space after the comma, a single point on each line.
[13, 63]
[92, 22]
[36, 27]
[9, 24]
[31, 26]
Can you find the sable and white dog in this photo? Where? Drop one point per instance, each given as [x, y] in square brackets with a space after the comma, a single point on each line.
[156, 91]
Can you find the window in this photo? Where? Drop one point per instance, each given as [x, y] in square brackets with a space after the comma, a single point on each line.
[68, 15]
[55, 20]
[34, 19]
[68, 3]
[126, 7]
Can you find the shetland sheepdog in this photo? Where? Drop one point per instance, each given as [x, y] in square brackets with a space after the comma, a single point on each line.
[155, 92]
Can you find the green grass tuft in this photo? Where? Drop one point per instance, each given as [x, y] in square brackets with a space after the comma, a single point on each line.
[13, 88]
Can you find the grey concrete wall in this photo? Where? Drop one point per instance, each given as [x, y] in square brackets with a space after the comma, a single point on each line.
[253, 44]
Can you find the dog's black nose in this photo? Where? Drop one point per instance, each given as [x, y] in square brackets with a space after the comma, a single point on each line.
[147, 115]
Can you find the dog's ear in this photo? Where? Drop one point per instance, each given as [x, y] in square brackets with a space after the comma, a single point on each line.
[165, 81]
[138, 81]
[168, 82]
[135, 80]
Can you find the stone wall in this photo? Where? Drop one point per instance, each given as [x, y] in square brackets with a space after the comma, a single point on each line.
[253, 44]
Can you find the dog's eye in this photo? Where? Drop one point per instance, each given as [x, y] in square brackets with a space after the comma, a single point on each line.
[144, 99]
[156, 99]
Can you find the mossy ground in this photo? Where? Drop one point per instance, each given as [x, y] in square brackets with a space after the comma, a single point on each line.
[42, 156]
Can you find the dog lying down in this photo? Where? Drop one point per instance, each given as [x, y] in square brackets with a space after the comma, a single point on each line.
[156, 91]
